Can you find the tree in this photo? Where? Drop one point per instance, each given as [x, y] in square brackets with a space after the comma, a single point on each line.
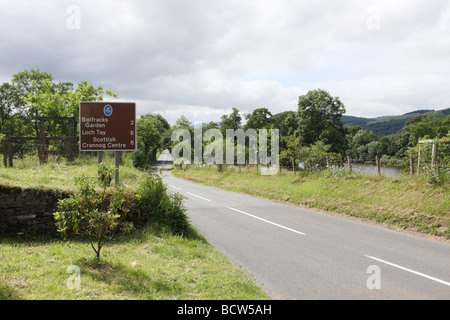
[320, 119]
[292, 152]
[315, 155]
[287, 122]
[358, 144]
[29, 82]
[60, 100]
[8, 98]
[152, 134]
[231, 121]
[260, 118]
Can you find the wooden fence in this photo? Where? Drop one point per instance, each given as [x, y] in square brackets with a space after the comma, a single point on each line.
[43, 141]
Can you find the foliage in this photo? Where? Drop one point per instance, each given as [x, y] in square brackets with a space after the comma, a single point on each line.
[161, 207]
[90, 212]
[291, 154]
[320, 119]
[231, 121]
[33, 94]
[260, 118]
[315, 156]
[152, 134]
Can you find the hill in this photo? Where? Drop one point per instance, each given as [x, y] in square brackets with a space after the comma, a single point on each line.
[387, 125]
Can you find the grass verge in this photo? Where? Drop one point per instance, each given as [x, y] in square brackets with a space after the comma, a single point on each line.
[148, 264]
[410, 203]
[27, 173]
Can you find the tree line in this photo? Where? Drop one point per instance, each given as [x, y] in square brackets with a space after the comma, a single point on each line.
[312, 133]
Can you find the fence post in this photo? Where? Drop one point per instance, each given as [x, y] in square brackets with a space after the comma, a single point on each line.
[378, 165]
[10, 153]
[411, 164]
[70, 145]
[6, 157]
[433, 156]
[419, 157]
[43, 154]
[7, 153]
[117, 163]
[349, 163]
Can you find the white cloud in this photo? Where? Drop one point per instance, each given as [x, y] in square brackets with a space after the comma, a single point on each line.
[200, 58]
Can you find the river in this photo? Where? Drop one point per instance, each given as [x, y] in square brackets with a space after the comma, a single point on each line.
[390, 172]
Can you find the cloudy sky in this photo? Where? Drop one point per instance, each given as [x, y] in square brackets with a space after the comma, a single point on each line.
[200, 58]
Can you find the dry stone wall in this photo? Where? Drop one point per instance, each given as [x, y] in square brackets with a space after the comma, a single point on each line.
[28, 211]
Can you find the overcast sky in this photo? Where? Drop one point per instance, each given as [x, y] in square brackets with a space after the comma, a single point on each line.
[200, 58]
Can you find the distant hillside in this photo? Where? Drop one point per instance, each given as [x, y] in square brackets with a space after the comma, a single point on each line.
[387, 125]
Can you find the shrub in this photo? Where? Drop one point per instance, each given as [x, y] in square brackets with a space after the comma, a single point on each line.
[92, 213]
[161, 207]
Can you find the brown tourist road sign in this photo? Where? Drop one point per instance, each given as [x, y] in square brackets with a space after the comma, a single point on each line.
[107, 126]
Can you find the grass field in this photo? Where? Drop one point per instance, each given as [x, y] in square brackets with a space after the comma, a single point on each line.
[410, 203]
[28, 173]
[146, 264]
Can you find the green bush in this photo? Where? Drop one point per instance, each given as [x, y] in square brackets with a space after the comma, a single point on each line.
[101, 214]
[92, 213]
[161, 207]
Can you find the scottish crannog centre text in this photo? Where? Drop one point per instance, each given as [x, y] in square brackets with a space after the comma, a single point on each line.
[226, 309]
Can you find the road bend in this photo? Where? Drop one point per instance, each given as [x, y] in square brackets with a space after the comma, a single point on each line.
[296, 253]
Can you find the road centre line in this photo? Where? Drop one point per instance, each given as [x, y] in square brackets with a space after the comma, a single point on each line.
[174, 187]
[409, 270]
[270, 222]
[192, 194]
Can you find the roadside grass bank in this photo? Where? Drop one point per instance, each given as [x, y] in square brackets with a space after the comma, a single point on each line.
[148, 264]
[409, 203]
[151, 262]
[29, 173]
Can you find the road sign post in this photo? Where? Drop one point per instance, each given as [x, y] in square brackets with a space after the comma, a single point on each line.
[108, 126]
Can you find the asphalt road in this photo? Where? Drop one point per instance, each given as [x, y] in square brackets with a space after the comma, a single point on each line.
[295, 253]
[164, 161]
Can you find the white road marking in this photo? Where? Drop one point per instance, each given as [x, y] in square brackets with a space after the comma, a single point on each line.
[273, 223]
[192, 194]
[412, 271]
[174, 187]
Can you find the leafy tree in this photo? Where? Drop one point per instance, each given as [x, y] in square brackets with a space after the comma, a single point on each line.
[29, 82]
[9, 96]
[315, 155]
[292, 152]
[231, 121]
[60, 100]
[152, 134]
[320, 119]
[287, 122]
[358, 144]
[260, 118]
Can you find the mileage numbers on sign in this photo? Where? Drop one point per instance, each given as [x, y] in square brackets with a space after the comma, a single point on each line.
[107, 126]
